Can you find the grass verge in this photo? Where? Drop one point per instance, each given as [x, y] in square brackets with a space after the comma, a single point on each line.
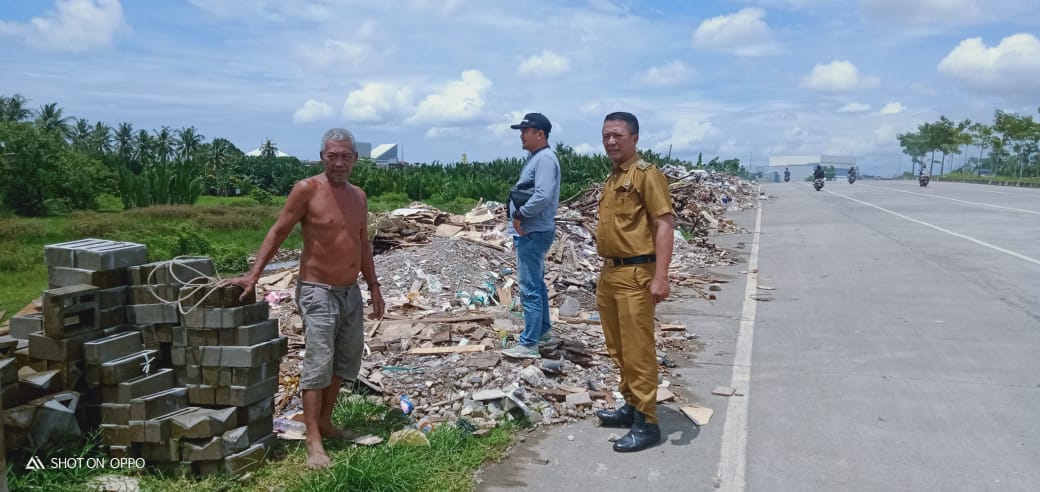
[448, 464]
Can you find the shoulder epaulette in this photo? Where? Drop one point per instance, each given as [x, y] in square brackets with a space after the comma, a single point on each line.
[643, 165]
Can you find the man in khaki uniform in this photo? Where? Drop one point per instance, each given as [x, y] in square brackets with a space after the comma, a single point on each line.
[634, 237]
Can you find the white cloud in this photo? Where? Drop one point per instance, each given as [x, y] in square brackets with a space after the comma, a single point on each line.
[73, 25]
[377, 102]
[585, 148]
[335, 54]
[930, 11]
[687, 132]
[892, 108]
[854, 107]
[1011, 68]
[547, 64]
[838, 75]
[459, 101]
[441, 6]
[670, 73]
[312, 111]
[743, 33]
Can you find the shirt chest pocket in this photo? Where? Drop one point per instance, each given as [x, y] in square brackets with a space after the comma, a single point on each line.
[626, 200]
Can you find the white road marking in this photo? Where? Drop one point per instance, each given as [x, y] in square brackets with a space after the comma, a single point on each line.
[733, 459]
[940, 229]
[955, 199]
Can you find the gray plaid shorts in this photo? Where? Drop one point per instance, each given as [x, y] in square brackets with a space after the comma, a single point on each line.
[334, 332]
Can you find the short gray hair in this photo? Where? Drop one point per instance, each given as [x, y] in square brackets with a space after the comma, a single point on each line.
[338, 135]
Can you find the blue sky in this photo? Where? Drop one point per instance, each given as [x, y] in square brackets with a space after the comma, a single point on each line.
[737, 78]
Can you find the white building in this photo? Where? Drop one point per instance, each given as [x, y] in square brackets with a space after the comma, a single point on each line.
[802, 166]
[257, 152]
[387, 154]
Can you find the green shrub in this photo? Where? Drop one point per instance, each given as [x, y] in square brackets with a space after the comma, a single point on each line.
[262, 196]
[189, 241]
[230, 259]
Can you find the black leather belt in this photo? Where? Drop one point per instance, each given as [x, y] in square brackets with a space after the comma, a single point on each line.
[635, 260]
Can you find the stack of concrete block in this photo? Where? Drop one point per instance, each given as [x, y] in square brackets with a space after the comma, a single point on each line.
[227, 354]
[154, 292]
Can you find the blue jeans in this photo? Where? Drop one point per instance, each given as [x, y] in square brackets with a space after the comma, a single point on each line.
[534, 296]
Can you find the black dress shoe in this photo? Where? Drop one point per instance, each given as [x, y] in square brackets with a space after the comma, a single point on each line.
[641, 436]
[621, 417]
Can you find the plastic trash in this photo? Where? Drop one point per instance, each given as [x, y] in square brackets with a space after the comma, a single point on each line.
[406, 405]
[425, 425]
[570, 307]
[282, 425]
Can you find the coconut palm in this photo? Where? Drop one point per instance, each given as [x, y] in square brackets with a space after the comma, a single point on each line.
[100, 139]
[14, 108]
[124, 138]
[80, 135]
[164, 144]
[187, 143]
[51, 119]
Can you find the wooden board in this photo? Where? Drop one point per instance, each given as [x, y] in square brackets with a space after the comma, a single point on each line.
[455, 349]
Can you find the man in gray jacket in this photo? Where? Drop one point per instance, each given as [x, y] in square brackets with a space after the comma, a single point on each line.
[533, 226]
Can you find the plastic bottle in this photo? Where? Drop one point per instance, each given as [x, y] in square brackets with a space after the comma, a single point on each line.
[406, 405]
[282, 424]
[425, 425]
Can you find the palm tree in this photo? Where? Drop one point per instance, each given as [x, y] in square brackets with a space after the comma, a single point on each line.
[50, 119]
[125, 142]
[268, 150]
[14, 108]
[80, 134]
[144, 148]
[101, 139]
[188, 142]
[164, 144]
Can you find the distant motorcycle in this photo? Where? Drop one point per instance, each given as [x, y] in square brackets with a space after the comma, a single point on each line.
[852, 178]
[818, 184]
[922, 180]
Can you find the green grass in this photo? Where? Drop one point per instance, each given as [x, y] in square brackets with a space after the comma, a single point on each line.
[448, 464]
[234, 223]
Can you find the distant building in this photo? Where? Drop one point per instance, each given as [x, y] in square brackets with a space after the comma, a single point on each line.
[257, 152]
[364, 149]
[802, 166]
[388, 155]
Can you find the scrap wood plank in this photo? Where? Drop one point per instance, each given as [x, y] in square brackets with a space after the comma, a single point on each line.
[454, 349]
[471, 317]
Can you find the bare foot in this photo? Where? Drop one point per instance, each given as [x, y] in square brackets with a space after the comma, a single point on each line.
[316, 457]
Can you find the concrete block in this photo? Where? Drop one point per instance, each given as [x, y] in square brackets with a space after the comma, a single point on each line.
[113, 297]
[108, 318]
[110, 255]
[23, 325]
[149, 336]
[178, 272]
[64, 277]
[148, 314]
[169, 451]
[251, 356]
[255, 333]
[126, 368]
[156, 430]
[226, 317]
[8, 371]
[60, 349]
[240, 396]
[263, 409]
[195, 337]
[64, 254]
[200, 394]
[211, 296]
[10, 395]
[208, 450]
[156, 381]
[257, 430]
[248, 376]
[111, 347]
[236, 440]
[119, 452]
[164, 332]
[116, 435]
[158, 404]
[245, 461]
[67, 310]
[153, 293]
[205, 469]
[203, 423]
[190, 374]
[115, 413]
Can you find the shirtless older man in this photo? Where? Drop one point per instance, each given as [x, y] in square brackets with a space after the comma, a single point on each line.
[333, 215]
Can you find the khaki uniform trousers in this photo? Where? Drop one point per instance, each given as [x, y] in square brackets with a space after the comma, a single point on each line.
[626, 312]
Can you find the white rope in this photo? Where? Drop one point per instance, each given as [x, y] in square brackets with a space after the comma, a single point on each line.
[191, 286]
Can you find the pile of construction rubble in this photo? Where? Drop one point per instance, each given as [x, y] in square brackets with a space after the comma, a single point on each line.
[452, 304]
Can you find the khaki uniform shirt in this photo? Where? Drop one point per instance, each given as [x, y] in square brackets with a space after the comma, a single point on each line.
[634, 195]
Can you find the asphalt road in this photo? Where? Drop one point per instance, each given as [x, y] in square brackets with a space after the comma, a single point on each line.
[899, 349]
